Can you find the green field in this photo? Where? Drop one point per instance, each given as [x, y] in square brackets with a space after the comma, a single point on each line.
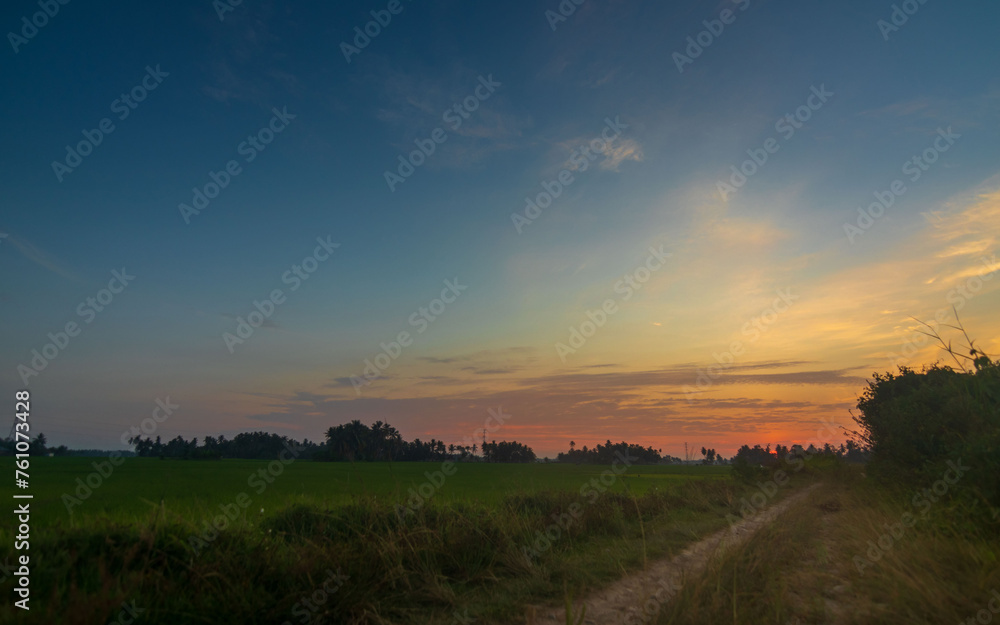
[189, 489]
[474, 548]
[491, 545]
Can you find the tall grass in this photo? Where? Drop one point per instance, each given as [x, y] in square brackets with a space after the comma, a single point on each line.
[802, 568]
[423, 567]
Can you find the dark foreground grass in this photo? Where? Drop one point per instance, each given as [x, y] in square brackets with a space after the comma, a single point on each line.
[357, 559]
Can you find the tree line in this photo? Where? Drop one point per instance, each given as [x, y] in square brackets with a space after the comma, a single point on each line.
[851, 451]
[247, 445]
[606, 453]
[347, 442]
[379, 442]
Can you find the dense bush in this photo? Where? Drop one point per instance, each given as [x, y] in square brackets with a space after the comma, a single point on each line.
[916, 423]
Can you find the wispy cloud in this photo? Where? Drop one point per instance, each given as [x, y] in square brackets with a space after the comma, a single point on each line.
[41, 258]
[415, 100]
[619, 151]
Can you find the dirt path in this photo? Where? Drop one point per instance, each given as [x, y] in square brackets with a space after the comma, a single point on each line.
[623, 602]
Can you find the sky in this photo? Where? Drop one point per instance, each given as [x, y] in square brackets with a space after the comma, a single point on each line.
[660, 222]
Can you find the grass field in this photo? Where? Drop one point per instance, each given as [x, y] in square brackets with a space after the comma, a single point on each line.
[190, 489]
[475, 549]
[846, 558]
[335, 544]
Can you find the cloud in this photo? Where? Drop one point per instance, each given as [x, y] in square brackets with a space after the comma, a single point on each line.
[619, 151]
[686, 375]
[924, 113]
[615, 152]
[568, 399]
[40, 257]
[494, 371]
[443, 361]
[482, 357]
[416, 101]
[549, 411]
[245, 59]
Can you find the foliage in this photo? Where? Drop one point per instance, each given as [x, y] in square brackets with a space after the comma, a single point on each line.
[37, 446]
[916, 423]
[247, 445]
[353, 441]
[752, 463]
[505, 451]
[710, 456]
[608, 452]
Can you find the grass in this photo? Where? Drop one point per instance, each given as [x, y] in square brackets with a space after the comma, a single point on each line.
[196, 488]
[463, 552]
[462, 555]
[802, 568]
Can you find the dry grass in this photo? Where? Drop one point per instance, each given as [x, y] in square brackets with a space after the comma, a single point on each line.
[803, 569]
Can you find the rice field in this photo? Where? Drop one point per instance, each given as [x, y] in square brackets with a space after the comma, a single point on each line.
[245, 541]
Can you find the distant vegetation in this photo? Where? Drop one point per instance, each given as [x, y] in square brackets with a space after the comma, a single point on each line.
[606, 453]
[353, 442]
[248, 445]
[750, 462]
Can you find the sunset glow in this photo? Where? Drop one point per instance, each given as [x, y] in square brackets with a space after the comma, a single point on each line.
[578, 251]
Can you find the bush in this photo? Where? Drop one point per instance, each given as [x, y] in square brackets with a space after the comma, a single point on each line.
[915, 423]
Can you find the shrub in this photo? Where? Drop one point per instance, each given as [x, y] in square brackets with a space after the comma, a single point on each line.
[915, 423]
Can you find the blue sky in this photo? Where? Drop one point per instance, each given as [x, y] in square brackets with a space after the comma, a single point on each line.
[656, 184]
